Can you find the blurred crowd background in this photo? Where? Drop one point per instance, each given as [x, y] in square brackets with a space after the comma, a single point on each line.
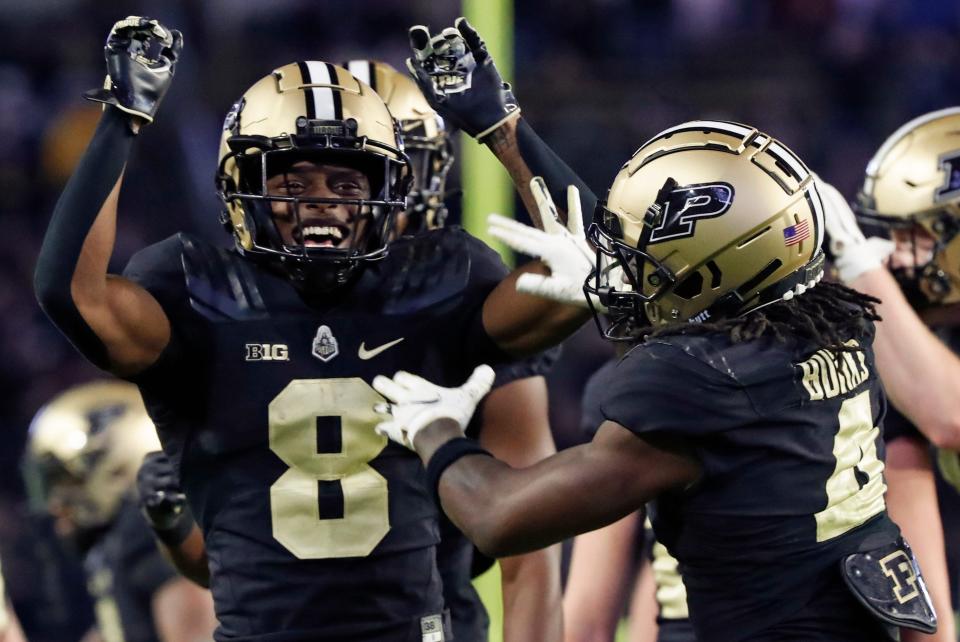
[596, 78]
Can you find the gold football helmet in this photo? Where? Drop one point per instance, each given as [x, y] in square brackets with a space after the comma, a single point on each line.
[708, 219]
[914, 180]
[85, 447]
[425, 140]
[319, 112]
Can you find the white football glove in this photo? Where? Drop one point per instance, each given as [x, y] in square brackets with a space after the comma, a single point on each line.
[853, 253]
[563, 249]
[415, 403]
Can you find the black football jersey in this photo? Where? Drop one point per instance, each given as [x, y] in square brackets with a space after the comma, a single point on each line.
[316, 527]
[456, 555]
[125, 569]
[790, 444]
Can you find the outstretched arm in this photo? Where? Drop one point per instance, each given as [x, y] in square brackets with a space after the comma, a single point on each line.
[116, 324]
[507, 511]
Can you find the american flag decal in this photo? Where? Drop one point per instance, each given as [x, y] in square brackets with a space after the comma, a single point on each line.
[796, 233]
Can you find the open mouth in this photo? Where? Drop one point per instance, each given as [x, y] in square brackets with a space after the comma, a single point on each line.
[326, 234]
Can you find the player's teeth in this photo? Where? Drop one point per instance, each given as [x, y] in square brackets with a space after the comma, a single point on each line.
[323, 230]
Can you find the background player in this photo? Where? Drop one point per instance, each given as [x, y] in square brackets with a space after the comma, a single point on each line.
[909, 193]
[758, 362]
[85, 447]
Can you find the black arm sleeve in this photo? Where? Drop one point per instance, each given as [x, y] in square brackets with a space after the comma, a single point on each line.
[543, 162]
[73, 216]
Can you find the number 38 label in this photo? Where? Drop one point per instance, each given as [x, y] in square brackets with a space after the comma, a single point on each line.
[294, 497]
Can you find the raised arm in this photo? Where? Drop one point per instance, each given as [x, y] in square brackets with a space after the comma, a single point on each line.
[505, 510]
[116, 324]
[458, 76]
[920, 374]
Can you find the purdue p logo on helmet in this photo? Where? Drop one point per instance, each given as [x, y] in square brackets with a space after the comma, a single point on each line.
[914, 180]
[319, 112]
[707, 219]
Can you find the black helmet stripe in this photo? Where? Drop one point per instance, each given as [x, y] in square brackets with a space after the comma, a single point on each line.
[308, 95]
[322, 102]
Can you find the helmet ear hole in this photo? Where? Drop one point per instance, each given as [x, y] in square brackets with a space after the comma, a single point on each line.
[690, 287]
[715, 274]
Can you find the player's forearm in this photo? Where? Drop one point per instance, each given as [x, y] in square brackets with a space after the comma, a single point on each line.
[912, 504]
[525, 155]
[921, 375]
[532, 601]
[189, 557]
[183, 612]
[71, 269]
[597, 581]
[510, 511]
[521, 324]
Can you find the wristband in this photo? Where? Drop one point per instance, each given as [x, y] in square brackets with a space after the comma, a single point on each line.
[445, 456]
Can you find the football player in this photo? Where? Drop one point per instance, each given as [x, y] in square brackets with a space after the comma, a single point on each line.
[255, 362]
[530, 583]
[84, 449]
[911, 194]
[531, 586]
[750, 411]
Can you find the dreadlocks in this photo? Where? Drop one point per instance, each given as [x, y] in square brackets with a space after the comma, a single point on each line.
[828, 315]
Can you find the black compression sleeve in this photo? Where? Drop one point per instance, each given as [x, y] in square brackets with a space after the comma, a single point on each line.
[73, 216]
[542, 161]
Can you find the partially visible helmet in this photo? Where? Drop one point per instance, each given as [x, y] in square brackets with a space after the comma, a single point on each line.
[708, 219]
[425, 140]
[85, 447]
[914, 180]
[319, 112]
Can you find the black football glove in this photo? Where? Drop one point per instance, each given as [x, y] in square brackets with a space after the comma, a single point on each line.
[455, 72]
[161, 499]
[141, 57]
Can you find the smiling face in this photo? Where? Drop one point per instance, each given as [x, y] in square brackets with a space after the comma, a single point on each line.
[334, 225]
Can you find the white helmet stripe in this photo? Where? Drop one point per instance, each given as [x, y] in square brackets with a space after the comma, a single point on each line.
[323, 100]
[360, 70]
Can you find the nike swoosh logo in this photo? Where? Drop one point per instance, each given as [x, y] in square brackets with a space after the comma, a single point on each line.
[365, 354]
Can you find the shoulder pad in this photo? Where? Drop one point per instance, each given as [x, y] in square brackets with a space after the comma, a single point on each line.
[426, 270]
[221, 285]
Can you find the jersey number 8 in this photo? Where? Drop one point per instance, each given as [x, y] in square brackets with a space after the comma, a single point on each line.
[295, 496]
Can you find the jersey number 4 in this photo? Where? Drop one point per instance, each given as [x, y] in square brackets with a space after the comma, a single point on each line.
[855, 489]
[295, 496]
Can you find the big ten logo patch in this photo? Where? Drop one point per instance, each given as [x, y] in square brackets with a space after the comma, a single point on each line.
[899, 568]
[266, 352]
